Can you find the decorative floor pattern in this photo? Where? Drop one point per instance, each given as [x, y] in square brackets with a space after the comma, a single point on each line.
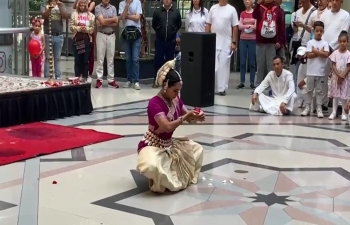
[257, 170]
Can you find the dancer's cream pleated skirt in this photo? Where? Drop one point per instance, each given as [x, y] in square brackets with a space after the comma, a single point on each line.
[173, 169]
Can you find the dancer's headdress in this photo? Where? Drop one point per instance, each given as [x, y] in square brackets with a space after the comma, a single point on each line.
[163, 71]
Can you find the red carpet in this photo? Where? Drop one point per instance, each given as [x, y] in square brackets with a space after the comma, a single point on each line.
[36, 139]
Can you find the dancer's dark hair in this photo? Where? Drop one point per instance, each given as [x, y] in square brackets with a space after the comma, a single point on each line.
[172, 78]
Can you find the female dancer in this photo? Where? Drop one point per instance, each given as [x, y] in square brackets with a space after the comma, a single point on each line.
[82, 24]
[169, 163]
[196, 16]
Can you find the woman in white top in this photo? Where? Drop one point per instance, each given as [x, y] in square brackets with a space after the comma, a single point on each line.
[195, 17]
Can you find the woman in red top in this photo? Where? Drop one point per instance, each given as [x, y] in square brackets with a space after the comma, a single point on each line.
[247, 45]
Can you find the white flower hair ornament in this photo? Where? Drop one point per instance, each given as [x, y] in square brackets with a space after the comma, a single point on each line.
[163, 71]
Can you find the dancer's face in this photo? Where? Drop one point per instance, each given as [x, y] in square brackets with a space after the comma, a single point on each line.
[173, 91]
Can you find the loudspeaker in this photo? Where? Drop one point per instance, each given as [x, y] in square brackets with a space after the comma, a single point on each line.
[198, 68]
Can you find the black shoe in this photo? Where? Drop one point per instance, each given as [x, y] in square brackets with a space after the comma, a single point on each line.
[252, 86]
[240, 86]
[223, 93]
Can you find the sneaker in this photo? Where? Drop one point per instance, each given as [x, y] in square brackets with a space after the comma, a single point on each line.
[113, 84]
[89, 80]
[252, 86]
[344, 118]
[98, 84]
[127, 85]
[306, 111]
[137, 86]
[332, 116]
[240, 86]
[319, 113]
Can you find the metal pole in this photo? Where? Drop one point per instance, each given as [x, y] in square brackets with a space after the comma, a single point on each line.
[51, 80]
[15, 45]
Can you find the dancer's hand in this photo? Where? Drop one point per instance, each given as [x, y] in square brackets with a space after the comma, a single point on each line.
[198, 115]
[254, 98]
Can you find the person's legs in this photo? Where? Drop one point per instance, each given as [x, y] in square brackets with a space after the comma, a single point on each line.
[169, 50]
[57, 44]
[270, 51]
[261, 63]
[158, 56]
[223, 72]
[46, 64]
[85, 59]
[128, 58]
[101, 53]
[319, 83]
[252, 61]
[243, 51]
[34, 67]
[135, 60]
[77, 61]
[92, 55]
[310, 84]
[110, 42]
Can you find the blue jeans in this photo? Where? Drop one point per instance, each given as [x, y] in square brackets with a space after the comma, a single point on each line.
[247, 48]
[57, 44]
[132, 54]
[164, 51]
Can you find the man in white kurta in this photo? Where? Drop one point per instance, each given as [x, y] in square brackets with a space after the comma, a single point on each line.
[335, 21]
[223, 21]
[281, 82]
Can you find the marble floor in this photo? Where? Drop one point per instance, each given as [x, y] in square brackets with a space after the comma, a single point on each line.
[257, 169]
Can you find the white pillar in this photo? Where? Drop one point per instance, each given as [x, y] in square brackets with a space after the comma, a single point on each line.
[6, 39]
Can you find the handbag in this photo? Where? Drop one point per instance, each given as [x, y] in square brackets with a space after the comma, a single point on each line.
[297, 44]
[131, 33]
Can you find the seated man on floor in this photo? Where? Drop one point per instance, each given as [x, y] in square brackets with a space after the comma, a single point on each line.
[283, 96]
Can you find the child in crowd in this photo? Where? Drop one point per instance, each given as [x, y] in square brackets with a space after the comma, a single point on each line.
[177, 54]
[37, 60]
[302, 91]
[317, 52]
[338, 88]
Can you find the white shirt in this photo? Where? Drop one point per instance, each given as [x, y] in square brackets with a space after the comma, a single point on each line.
[195, 20]
[334, 23]
[282, 87]
[222, 20]
[316, 15]
[316, 66]
[134, 9]
[300, 17]
[83, 19]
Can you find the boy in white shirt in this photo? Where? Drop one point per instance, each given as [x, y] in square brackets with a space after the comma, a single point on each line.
[317, 52]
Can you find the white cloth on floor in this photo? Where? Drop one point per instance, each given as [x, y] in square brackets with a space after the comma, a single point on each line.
[283, 90]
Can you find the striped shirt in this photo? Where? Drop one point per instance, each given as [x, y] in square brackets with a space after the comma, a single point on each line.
[247, 26]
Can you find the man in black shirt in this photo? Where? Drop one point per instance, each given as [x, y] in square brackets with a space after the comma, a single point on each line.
[166, 22]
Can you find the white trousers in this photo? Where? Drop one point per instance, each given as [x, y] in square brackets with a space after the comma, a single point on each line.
[105, 45]
[271, 105]
[222, 70]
